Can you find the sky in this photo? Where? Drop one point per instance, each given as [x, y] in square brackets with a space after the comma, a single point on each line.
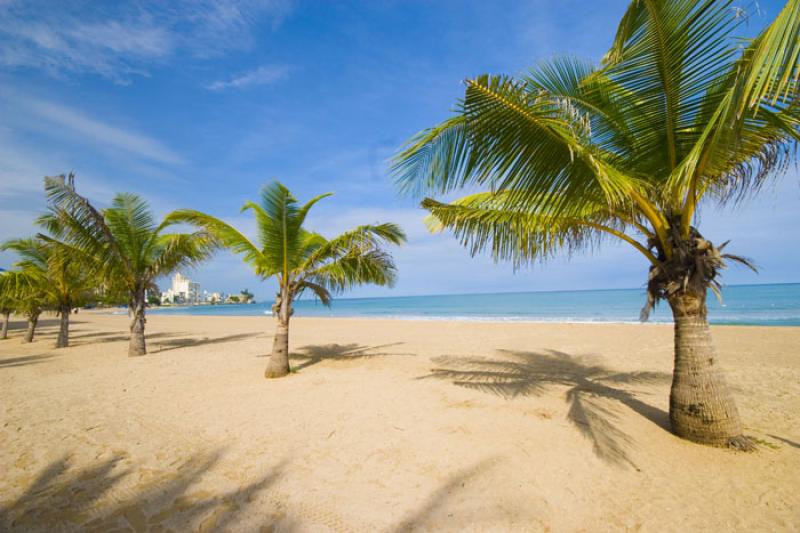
[198, 103]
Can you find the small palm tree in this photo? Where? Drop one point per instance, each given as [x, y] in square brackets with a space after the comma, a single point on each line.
[25, 295]
[50, 273]
[6, 306]
[123, 245]
[678, 112]
[299, 259]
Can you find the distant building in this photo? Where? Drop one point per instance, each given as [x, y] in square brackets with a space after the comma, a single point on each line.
[212, 297]
[183, 291]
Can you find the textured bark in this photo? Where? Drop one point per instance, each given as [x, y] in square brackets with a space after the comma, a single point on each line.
[63, 331]
[701, 407]
[278, 365]
[31, 331]
[4, 331]
[137, 345]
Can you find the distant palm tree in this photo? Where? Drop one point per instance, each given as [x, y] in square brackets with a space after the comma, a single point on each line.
[125, 247]
[24, 290]
[53, 274]
[6, 306]
[300, 259]
[678, 111]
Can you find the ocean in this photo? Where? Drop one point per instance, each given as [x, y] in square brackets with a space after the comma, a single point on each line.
[764, 305]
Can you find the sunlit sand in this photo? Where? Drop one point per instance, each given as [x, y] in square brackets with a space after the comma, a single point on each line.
[386, 425]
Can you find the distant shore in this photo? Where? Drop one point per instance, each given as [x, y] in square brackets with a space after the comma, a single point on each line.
[751, 305]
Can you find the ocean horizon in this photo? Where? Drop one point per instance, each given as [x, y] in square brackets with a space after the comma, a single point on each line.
[757, 305]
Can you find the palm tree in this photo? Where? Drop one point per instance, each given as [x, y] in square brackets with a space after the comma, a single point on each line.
[299, 259]
[678, 111]
[125, 247]
[56, 274]
[6, 306]
[25, 293]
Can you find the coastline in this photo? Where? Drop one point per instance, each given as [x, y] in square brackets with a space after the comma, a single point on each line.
[470, 320]
[748, 305]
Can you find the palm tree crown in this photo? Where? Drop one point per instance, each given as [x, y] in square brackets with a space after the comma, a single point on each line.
[300, 259]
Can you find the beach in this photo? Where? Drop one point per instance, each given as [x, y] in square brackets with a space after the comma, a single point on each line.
[386, 425]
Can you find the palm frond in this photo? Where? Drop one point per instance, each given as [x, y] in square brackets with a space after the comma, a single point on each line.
[364, 238]
[374, 267]
[226, 235]
[319, 291]
[180, 250]
[487, 221]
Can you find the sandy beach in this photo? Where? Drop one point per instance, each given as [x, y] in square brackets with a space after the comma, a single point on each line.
[386, 425]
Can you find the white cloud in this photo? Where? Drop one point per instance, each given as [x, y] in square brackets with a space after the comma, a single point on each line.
[94, 130]
[119, 40]
[263, 75]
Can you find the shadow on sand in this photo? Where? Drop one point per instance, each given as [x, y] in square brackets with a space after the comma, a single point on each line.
[791, 443]
[66, 498]
[24, 360]
[418, 518]
[44, 324]
[168, 344]
[312, 355]
[589, 386]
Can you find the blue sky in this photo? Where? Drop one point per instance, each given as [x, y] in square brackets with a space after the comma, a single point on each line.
[198, 103]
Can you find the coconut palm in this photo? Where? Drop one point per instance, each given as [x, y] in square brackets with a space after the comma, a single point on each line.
[56, 274]
[25, 295]
[299, 259]
[123, 246]
[569, 154]
[6, 306]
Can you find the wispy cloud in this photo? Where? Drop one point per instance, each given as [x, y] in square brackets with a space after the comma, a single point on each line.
[94, 130]
[263, 75]
[120, 40]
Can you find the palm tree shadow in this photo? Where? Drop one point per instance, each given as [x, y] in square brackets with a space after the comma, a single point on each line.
[314, 354]
[44, 324]
[791, 443]
[66, 498]
[589, 387]
[113, 336]
[438, 499]
[24, 360]
[187, 342]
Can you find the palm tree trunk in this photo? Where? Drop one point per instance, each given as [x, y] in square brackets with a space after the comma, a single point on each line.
[63, 331]
[701, 407]
[33, 319]
[278, 365]
[4, 331]
[137, 345]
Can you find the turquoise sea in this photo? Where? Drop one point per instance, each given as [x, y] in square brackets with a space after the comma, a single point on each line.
[768, 305]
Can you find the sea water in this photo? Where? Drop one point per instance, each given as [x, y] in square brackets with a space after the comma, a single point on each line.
[766, 305]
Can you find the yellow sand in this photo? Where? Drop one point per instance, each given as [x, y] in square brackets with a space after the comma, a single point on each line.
[387, 425]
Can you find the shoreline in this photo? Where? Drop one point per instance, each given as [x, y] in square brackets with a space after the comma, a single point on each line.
[463, 319]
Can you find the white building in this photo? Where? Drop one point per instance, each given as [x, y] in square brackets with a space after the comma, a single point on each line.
[183, 291]
[212, 297]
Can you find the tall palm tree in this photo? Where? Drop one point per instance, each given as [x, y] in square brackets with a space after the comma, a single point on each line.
[569, 154]
[299, 259]
[124, 246]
